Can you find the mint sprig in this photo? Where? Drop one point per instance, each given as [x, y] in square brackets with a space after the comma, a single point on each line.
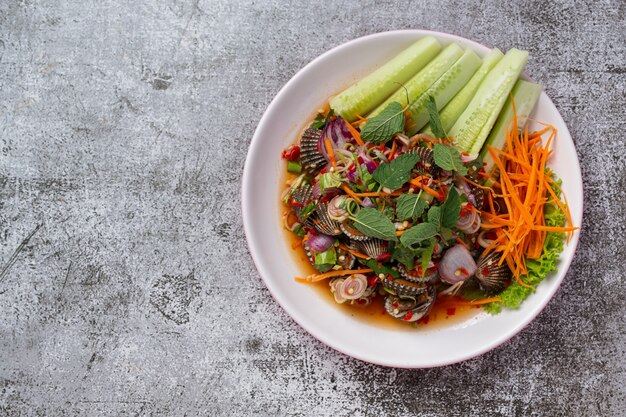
[410, 206]
[384, 125]
[448, 158]
[394, 174]
[373, 223]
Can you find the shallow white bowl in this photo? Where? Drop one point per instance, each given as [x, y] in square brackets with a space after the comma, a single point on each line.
[285, 117]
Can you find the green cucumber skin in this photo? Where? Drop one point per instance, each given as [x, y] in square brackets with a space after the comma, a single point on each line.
[471, 129]
[363, 96]
[525, 96]
[444, 88]
[417, 85]
[459, 102]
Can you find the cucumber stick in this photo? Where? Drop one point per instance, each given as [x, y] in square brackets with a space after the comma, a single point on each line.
[459, 103]
[417, 85]
[443, 89]
[363, 96]
[525, 95]
[475, 123]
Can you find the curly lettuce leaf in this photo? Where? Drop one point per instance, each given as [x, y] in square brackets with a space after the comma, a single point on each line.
[538, 269]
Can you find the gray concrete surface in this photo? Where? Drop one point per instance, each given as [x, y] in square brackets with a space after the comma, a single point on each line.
[126, 287]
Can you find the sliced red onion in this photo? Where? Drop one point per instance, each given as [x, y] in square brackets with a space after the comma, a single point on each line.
[367, 202]
[483, 240]
[457, 265]
[328, 192]
[369, 163]
[338, 133]
[353, 287]
[319, 243]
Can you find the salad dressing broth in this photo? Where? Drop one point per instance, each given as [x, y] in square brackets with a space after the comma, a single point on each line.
[440, 315]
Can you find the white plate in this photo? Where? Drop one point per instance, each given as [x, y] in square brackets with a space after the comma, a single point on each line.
[285, 117]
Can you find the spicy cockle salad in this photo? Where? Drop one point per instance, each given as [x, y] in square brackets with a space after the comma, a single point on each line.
[422, 184]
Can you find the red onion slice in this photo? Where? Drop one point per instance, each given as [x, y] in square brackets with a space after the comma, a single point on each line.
[319, 243]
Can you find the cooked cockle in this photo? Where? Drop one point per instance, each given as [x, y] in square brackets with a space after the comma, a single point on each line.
[411, 308]
[492, 277]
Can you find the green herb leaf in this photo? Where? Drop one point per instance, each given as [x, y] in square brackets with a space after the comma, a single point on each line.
[394, 174]
[383, 126]
[321, 121]
[375, 224]
[435, 122]
[405, 256]
[380, 268]
[448, 158]
[427, 254]
[410, 206]
[417, 234]
[307, 210]
[329, 180]
[324, 261]
[451, 208]
[434, 216]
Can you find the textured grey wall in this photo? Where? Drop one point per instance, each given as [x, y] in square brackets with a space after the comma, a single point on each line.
[126, 287]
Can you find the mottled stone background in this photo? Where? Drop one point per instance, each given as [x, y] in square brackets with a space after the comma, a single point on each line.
[126, 287]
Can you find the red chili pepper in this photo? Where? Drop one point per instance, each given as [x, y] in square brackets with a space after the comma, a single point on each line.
[360, 160]
[485, 271]
[372, 280]
[408, 316]
[424, 320]
[451, 311]
[291, 153]
[463, 271]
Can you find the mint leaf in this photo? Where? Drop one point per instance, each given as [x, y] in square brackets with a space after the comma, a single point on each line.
[451, 208]
[448, 158]
[383, 126]
[434, 216]
[435, 122]
[410, 206]
[427, 254]
[321, 120]
[380, 268]
[417, 234]
[394, 174]
[405, 256]
[375, 224]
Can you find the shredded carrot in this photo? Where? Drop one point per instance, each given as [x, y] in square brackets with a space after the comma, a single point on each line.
[525, 190]
[418, 183]
[353, 252]
[351, 193]
[355, 134]
[326, 109]
[331, 153]
[331, 274]
[393, 149]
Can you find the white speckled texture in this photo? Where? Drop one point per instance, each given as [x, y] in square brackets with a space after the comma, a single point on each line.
[124, 128]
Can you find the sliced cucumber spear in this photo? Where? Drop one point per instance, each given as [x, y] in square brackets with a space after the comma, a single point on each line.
[525, 95]
[367, 93]
[417, 85]
[458, 104]
[475, 123]
[443, 89]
